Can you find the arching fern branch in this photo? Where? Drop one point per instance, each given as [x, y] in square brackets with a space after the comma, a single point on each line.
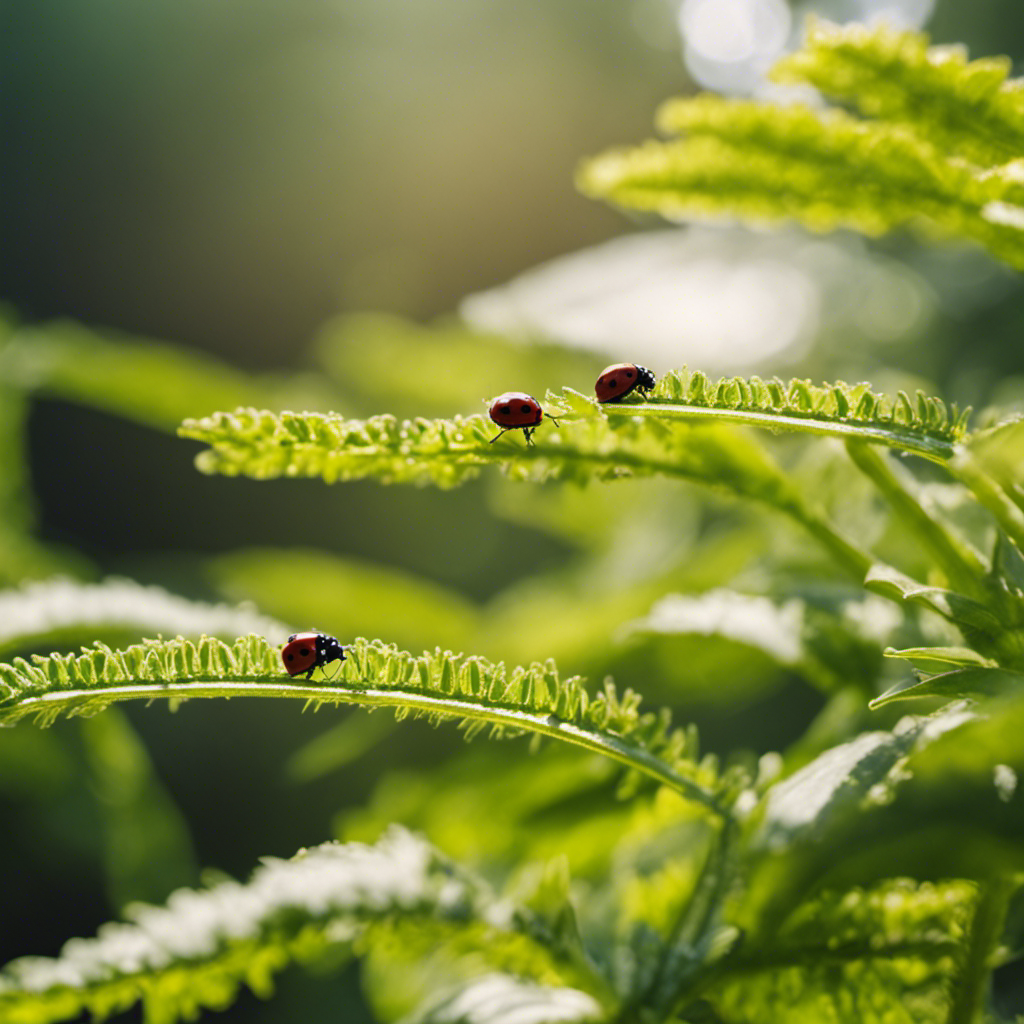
[922, 425]
[264, 445]
[196, 952]
[440, 685]
[831, 169]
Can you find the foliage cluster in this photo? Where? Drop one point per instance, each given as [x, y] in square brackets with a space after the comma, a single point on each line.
[870, 872]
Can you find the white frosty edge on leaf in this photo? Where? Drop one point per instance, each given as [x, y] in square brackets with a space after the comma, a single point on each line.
[326, 883]
[759, 622]
[41, 607]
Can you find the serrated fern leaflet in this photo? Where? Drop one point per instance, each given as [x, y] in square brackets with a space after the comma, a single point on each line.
[922, 424]
[440, 685]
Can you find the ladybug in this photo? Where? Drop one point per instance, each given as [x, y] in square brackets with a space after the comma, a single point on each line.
[307, 651]
[516, 410]
[620, 379]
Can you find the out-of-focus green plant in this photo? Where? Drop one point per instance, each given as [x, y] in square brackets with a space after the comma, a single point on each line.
[938, 143]
[870, 546]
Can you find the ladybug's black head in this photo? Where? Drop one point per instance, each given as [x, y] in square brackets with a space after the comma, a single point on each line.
[645, 378]
[329, 649]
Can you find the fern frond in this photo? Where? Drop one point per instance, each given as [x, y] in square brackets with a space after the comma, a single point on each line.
[824, 169]
[967, 108]
[50, 611]
[922, 424]
[439, 685]
[196, 952]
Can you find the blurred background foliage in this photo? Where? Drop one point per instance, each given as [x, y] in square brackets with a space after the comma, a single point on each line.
[367, 207]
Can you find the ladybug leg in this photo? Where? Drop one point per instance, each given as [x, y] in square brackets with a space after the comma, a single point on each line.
[309, 674]
[504, 430]
[553, 420]
[528, 434]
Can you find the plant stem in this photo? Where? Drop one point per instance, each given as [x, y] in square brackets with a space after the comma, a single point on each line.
[961, 563]
[695, 926]
[893, 437]
[986, 931]
[1009, 516]
[66, 701]
[854, 560]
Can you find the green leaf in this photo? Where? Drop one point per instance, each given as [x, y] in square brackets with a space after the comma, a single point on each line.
[823, 648]
[968, 108]
[891, 954]
[499, 998]
[825, 169]
[15, 502]
[145, 381]
[345, 596]
[836, 782]
[338, 746]
[440, 685]
[835, 802]
[976, 620]
[929, 657]
[388, 362]
[21, 556]
[197, 951]
[999, 451]
[547, 805]
[964, 682]
[148, 849]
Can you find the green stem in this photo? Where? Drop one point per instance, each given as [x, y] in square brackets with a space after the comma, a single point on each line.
[961, 564]
[1009, 516]
[854, 560]
[636, 757]
[892, 436]
[986, 930]
[696, 925]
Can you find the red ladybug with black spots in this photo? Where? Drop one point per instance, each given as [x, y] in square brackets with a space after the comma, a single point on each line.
[305, 652]
[620, 379]
[516, 410]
